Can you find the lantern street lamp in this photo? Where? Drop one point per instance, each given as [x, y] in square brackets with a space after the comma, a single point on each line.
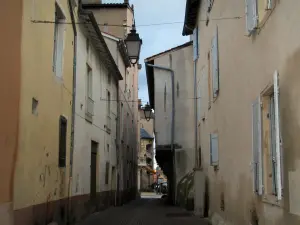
[133, 44]
[148, 112]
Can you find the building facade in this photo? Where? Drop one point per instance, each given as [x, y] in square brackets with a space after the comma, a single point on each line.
[107, 15]
[174, 136]
[247, 111]
[43, 81]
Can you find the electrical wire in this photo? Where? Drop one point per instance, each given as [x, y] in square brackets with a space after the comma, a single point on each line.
[141, 25]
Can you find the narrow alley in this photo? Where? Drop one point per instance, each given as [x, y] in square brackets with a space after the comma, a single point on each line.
[148, 210]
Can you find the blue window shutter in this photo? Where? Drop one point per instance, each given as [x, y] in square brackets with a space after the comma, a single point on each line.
[195, 44]
[251, 15]
[257, 147]
[215, 64]
[214, 150]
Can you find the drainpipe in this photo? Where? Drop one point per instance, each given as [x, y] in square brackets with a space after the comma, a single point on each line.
[195, 111]
[173, 120]
[73, 104]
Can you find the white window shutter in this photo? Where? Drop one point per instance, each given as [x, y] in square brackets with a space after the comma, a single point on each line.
[251, 15]
[269, 4]
[214, 150]
[60, 51]
[257, 147]
[199, 102]
[215, 64]
[277, 138]
[195, 43]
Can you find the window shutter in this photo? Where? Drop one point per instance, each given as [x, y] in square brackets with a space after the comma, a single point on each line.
[60, 51]
[215, 64]
[257, 147]
[269, 4]
[209, 3]
[195, 44]
[277, 137]
[214, 150]
[199, 102]
[251, 15]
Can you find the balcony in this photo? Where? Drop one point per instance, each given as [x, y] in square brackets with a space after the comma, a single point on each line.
[89, 111]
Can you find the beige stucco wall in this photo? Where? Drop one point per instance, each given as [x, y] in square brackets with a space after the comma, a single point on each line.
[184, 107]
[247, 65]
[10, 55]
[37, 176]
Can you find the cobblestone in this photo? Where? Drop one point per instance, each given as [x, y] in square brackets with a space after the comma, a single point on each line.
[145, 211]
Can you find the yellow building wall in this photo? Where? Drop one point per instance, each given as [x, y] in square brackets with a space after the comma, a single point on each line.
[38, 178]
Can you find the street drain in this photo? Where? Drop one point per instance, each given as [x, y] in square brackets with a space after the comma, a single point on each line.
[184, 214]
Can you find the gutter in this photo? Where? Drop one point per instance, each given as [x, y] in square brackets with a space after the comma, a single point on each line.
[73, 106]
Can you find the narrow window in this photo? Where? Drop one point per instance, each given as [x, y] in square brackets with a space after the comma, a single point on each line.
[62, 141]
[106, 172]
[177, 89]
[108, 111]
[59, 30]
[34, 107]
[209, 80]
[165, 98]
[89, 82]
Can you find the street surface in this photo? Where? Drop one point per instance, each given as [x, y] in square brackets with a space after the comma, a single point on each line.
[149, 210]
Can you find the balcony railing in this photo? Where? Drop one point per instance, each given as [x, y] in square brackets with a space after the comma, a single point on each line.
[89, 108]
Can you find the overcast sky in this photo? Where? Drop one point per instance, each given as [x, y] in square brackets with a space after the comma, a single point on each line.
[157, 38]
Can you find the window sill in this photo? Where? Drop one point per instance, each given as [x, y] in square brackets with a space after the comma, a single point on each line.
[272, 200]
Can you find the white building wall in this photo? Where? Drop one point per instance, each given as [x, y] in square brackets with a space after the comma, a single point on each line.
[85, 132]
[181, 61]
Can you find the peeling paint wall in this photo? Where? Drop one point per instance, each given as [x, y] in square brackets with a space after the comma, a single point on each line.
[246, 66]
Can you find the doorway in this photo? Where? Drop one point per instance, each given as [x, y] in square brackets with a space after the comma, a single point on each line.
[93, 181]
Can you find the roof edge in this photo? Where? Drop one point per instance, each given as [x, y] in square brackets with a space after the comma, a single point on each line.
[192, 7]
[150, 58]
[107, 5]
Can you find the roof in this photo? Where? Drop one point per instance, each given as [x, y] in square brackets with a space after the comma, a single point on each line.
[169, 50]
[191, 12]
[145, 134]
[106, 5]
[92, 28]
[150, 70]
[121, 47]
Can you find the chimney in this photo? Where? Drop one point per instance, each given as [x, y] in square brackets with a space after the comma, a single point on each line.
[140, 103]
[126, 1]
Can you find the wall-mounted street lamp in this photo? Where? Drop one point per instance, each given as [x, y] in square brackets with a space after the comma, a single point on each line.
[133, 44]
[147, 111]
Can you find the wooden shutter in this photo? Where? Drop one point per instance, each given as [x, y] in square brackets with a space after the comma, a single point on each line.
[257, 147]
[277, 137]
[215, 64]
[195, 44]
[214, 150]
[251, 15]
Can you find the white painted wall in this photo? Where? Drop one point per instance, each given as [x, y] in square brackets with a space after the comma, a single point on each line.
[85, 132]
[181, 61]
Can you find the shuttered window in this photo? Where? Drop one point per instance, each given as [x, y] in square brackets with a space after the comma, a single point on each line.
[196, 43]
[62, 142]
[257, 147]
[107, 165]
[214, 150]
[215, 64]
[251, 15]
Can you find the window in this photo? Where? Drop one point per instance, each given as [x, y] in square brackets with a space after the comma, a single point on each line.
[89, 82]
[195, 44]
[107, 146]
[59, 32]
[215, 65]
[267, 149]
[209, 80]
[209, 4]
[257, 12]
[214, 150]
[121, 121]
[108, 123]
[87, 46]
[177, 88]
[165, 98]
[62, 141]
[107, 165]
[34, 106]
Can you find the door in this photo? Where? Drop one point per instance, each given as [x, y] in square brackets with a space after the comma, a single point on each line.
[113, 184]
[93, 181]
